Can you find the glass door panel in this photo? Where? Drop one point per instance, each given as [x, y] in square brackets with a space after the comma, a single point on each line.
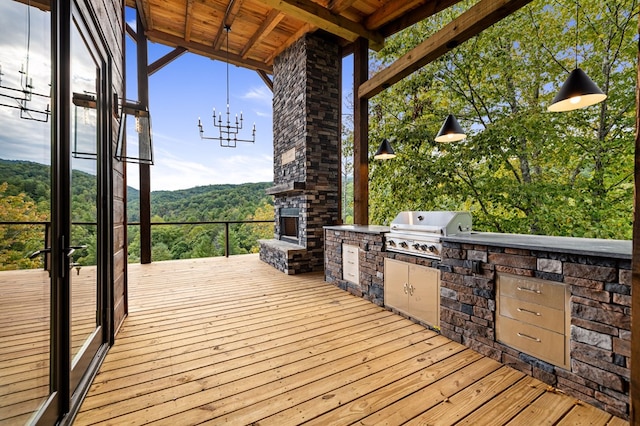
[83, 259]
[25, 210]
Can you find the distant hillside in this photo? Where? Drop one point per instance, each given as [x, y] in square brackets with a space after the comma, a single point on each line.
[204, 203]
[211, 202]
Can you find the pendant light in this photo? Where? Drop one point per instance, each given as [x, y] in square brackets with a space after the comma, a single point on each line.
[384, 152]
[450, 131]
[578, 91]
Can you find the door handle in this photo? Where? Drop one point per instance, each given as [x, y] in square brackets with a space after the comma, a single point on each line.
[73, 249]
[39, 252]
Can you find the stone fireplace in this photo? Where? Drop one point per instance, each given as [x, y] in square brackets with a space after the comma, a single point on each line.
[306, 154]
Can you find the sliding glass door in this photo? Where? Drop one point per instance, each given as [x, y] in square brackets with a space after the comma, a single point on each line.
[53, 224]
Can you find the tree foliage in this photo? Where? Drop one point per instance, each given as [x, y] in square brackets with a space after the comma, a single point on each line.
[521, 169]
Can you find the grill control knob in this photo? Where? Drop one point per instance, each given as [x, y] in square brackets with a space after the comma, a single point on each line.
[424, 247]
[433, 249]
[416, 246]
[404, 245]
[392, 243]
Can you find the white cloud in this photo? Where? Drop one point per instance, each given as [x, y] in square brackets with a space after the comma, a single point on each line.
[171, 172]
[262, 114]
[260, 94]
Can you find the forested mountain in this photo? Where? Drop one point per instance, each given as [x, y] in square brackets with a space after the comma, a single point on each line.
[25, 196]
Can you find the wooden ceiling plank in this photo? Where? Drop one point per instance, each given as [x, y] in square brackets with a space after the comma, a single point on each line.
[306, 28]
[270, 22]
[205, 50]
[318, 16]
[339, 6]
[478, 18]
[229, 16]
[144, 10]
[188, 20]
[420, 13]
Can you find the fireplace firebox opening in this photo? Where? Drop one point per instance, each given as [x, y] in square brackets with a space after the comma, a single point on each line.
[289, 223]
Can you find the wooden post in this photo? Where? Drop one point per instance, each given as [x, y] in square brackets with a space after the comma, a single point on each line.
[360, 134]
[145, 171]
[634, 391]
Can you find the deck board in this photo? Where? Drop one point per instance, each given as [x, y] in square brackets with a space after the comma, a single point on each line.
[212, 341]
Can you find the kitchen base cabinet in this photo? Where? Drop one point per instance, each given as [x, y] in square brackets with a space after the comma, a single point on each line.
[413, 290]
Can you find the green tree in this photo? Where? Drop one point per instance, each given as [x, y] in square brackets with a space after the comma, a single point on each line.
[522, 169]
[18, 241]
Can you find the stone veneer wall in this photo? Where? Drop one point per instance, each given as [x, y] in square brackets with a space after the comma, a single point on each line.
[306, 120]
[600, 316]
[371, 263]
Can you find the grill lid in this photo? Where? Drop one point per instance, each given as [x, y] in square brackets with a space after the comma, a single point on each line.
[435, 222]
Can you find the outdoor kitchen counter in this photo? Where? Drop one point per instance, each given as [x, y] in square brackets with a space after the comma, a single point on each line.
[583, 284]
[618, 249]
[363, 229]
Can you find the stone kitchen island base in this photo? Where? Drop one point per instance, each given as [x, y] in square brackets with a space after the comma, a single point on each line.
[562, 306]
[596, 275]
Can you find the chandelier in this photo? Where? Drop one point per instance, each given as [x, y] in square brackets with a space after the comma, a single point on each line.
[228, 131]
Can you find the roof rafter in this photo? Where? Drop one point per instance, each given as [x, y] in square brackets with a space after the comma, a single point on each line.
[144, 10]
[478, 18]
[270, 22]
[418, 14]
[229, 16]
[205, 50]
[188, 21]
[393, 10]
[323, 18]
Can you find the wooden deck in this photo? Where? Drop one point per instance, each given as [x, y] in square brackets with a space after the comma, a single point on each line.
[24, 336]
[234, 341]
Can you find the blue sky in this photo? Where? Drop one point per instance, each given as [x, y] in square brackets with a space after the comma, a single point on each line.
[189, 88]
[181, 92]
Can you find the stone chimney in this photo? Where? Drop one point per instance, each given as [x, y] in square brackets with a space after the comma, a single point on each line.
[306, 154]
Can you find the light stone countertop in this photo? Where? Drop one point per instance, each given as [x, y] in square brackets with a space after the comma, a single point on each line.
[619, 249]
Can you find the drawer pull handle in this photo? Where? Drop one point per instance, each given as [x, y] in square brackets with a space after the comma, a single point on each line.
[350, 261]
[535, 339]
[405, 287]
[529, 289]
[411, 288]
[529, 312]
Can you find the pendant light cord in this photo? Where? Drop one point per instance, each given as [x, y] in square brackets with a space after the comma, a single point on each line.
[577, 11]
[227, 28]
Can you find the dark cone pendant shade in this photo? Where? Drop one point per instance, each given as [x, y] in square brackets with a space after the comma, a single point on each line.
[385, 151]
[450, 131]
[579, 91]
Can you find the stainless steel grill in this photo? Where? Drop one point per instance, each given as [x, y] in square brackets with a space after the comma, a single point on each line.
[420, 233]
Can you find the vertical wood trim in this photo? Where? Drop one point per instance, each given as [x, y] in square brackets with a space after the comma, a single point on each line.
[360, 134]
[634, 391]
[339, 219]
[145, 172]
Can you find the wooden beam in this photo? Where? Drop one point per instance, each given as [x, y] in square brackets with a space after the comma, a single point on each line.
[339, 6]
[360, 135]
[316, 15]
[144, 11]
[188, 20]
[161, 62]
[268, 24]
[227, 20]
[393, 10]
[144, 169]
[265, 77]
[634, 391]
[131, 32]
[478, 18]
[418, 14]
[208, 51]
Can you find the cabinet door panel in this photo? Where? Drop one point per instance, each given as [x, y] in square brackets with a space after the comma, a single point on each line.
[396, 282]
[424, 294]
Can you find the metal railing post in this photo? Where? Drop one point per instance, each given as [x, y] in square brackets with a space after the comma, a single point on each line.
[226, 239]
